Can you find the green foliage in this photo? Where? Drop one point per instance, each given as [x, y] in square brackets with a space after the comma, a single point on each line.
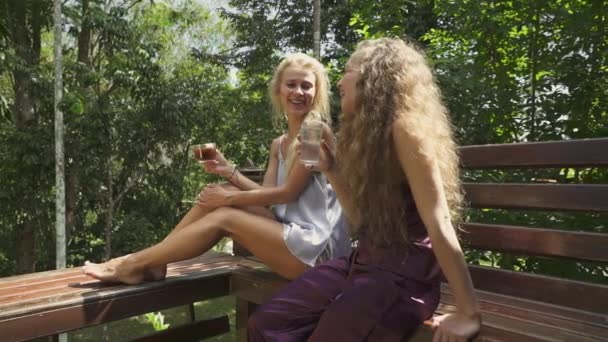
[135, 327]
[157, 320]
[160, 76]
[132, 107]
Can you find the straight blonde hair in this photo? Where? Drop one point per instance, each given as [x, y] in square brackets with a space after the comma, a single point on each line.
[320, 106]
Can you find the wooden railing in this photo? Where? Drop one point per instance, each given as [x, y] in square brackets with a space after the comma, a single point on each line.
[516, 305]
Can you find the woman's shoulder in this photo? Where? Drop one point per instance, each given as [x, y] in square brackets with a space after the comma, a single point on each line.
[403, 133]
[276, 144]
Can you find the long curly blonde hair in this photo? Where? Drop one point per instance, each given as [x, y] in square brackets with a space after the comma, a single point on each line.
[320, 106]
[395, 81]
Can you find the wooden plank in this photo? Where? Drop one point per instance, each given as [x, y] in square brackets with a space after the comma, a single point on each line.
[47, 277]
[508, 331]
[63, 300]
[38, 293]
[256, 174]
[190, 332]
[99, 307]
[498, 327]
[568, 320]
[570, 293]
[255, 286]
[567, 197]
[571, 153]
[515, 307]
[536, 241]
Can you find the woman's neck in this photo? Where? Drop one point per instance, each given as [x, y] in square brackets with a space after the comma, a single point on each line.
[293, 126]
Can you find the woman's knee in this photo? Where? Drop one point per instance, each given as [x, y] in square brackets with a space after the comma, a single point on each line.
[223, 218]
[263, 321]
[229, 187]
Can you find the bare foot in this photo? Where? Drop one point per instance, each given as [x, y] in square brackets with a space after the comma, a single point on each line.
[155, 273]
[117, 270]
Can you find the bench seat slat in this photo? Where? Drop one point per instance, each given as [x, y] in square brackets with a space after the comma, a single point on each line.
[566, 197]
[74, 284]
[591, 326]
[570, 293]
[77, 287]
[501, 326]
[93, 312]
[536, 241]
[568, 153]
[31, 279]
[78, 305]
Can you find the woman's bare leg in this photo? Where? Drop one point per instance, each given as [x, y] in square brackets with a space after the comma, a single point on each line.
[194, 214]
[260, 235]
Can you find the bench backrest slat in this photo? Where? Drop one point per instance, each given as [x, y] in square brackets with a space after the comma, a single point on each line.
[536, 241]
[580, 295]
[567, 197]
[522, 240]
[573, 153]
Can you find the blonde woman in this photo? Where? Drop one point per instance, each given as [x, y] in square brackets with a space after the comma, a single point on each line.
[306, 224]
[396, 174]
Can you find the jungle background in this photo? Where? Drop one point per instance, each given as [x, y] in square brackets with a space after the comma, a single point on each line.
[143, 80]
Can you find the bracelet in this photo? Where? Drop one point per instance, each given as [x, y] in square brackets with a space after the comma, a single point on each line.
[232, 174]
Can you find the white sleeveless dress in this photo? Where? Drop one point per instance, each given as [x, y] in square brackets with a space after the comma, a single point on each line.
[314, 228]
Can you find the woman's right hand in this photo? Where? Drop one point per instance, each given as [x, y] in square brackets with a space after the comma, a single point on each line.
[327, 157]
[218, 166]
[455, 327]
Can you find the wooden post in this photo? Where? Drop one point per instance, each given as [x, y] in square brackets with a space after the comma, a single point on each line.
[244, 309]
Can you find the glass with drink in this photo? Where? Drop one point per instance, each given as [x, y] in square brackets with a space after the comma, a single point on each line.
[204, 152]
[310, 142]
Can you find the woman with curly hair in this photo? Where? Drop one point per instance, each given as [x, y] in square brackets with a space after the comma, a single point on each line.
[305, 226]
[396, 175]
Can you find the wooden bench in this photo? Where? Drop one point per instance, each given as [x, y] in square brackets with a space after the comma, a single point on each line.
[49, 303]
[516, 306]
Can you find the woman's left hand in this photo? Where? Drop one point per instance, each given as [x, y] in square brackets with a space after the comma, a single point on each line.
[455, 327]
[213, 195]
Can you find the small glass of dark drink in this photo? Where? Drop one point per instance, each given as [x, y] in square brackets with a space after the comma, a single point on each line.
[204, 152]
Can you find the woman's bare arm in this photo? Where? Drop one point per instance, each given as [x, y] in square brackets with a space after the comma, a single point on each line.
[269, 194]
[327, 164]
[270, 176]
[425, 181]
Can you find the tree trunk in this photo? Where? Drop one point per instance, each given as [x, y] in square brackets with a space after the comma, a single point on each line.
[27, 49]
[84, 37]
[71, 197]
[533, 56]
[72, 181]
[27, 261]
[109, 214]
[36, 29]
[24, 105]
[60, 212]
[317, 29]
